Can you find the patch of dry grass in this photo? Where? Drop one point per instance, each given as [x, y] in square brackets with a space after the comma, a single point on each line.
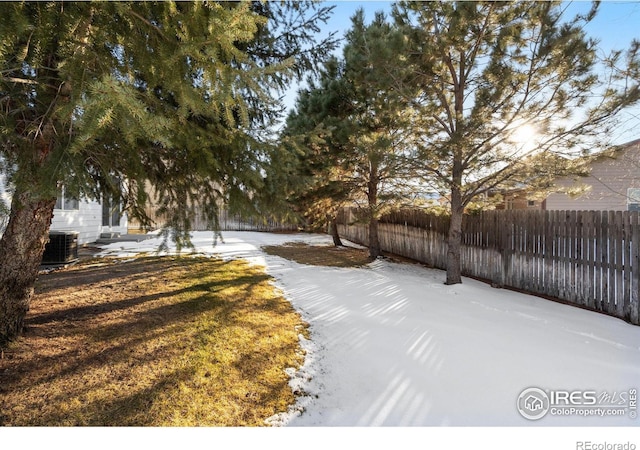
[320, 255]
[152, 342]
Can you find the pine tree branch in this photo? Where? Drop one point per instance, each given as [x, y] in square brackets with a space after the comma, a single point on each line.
[149, 24]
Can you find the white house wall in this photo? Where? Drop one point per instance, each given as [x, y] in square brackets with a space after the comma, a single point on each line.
[86, 220]
[608, 183]
[5, 204]
[4, 195]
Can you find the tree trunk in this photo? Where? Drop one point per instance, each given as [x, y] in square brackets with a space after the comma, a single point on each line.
[372, 197]
[374, 238]
[21, 249]
[454, 239]
[333, 229]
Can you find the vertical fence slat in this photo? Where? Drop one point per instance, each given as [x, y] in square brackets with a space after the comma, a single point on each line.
[527, 270]
[611, 258]
[588, 257]
[627, 256]
[619, 268]
[580, 258]
[604, 270]
[571, 256]
[548, 254]
[507, 251]
[517, 250]
[635, 275]
[598, 270]
[563, 265]
[534, 220]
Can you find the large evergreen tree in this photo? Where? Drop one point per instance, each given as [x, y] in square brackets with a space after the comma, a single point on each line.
[126, 99]
[315, 138]
[380, 116]
[486, 71]
[353, 124]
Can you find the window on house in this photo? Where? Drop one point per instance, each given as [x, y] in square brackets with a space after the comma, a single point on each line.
[531, 203]
[66, 201]
[110, 212]
[509, 204]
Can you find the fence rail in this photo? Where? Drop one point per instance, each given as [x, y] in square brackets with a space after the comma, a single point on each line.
[587, 258]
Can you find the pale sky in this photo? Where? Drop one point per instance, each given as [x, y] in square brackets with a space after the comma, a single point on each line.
[617, 23]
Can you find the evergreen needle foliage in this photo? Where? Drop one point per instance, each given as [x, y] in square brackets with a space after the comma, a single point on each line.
[146, 104]
[348, 130]
[482, 71]
[461, 99]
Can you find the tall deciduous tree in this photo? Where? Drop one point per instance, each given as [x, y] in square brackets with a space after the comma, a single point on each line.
[488, 71]
[121, 99]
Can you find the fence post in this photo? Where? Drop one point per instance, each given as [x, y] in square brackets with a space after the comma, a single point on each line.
[635, 270]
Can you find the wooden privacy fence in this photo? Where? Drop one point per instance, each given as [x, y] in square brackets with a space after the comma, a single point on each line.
[236, 222]
[587, 258]
[227, 222]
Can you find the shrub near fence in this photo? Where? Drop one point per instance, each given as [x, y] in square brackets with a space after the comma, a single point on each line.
[587, 258]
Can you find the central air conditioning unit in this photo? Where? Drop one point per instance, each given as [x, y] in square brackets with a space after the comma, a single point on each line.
[62, 248]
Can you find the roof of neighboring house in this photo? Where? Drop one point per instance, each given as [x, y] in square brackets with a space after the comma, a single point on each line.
[613, 152]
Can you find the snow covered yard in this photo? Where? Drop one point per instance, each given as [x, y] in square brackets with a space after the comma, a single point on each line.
[391, 345]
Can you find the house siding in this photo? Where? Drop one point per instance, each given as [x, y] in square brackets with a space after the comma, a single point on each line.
[608, 183]
[4, 195]
[86, 220]
[5, 201]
